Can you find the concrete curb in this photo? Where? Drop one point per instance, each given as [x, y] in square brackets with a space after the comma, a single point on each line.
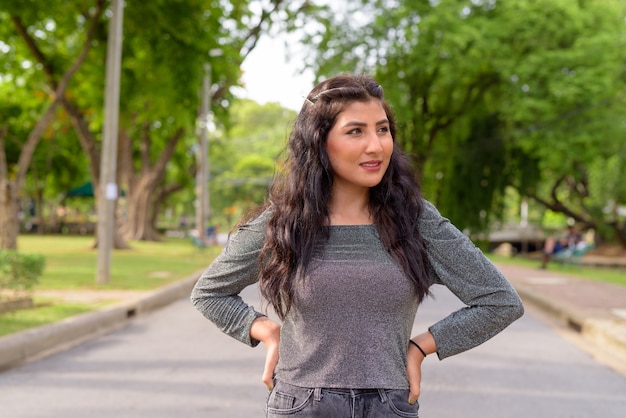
[601, 331]
[39, 342]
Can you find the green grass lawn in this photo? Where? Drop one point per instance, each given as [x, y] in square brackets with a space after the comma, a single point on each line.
[71, 262]
[41, 314]
[604, 274]
[71, 265]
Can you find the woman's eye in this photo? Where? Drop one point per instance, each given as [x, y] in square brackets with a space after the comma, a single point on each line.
[354, 131]
[383, 129]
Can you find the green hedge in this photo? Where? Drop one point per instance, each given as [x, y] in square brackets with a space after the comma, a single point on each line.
[20, 272]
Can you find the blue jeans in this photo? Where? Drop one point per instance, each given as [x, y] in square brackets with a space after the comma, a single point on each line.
[287, 400]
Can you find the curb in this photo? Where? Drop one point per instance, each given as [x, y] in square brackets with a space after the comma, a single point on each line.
[603, 332]
[37, 343]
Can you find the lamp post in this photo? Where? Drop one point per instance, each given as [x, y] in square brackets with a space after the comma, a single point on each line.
[108, 160]
[203, 208]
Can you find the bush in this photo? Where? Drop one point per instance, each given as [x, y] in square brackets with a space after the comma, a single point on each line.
[20, 272]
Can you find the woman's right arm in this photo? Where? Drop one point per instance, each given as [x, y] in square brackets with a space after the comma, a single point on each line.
[265, 330]
[216, 294]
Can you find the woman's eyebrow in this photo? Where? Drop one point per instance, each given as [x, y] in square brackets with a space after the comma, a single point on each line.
[357, 123]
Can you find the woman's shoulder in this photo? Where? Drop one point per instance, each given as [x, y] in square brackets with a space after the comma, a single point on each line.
[433, 225]
[256, 220]
[429, 212]
[249, 235]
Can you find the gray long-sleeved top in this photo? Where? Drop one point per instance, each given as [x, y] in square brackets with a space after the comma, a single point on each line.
[352, 314]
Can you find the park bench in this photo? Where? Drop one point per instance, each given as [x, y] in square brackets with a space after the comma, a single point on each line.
[197, 242]
[572, 255]
[211, 238]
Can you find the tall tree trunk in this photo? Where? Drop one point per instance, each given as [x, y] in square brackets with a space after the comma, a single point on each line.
[10, 187]
[143, 187]
[140, 206]
[9, 222]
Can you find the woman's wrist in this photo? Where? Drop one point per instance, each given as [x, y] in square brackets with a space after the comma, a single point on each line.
[265, 330]
[418, 347]
[424, 343]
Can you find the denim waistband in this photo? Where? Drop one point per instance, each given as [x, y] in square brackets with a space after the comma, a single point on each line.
[352, 392]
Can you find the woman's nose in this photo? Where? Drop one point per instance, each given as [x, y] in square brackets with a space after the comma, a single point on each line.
[373, 144]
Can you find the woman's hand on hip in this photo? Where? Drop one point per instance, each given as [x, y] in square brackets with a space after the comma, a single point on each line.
[414, 372]
[268, 332]
[415, 357]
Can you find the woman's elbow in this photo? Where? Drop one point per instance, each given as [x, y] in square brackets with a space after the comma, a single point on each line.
[516, 310]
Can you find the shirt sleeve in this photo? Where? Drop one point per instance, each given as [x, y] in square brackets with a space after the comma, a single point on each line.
[455, 262]
[216, 293]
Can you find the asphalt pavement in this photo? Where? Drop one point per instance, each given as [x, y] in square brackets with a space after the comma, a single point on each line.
[596, 310]
[172, 362]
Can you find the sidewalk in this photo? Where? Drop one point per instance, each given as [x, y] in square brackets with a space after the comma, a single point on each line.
[596, 310]
[39, 342]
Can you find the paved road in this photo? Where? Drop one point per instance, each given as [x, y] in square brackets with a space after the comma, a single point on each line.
[174, 363]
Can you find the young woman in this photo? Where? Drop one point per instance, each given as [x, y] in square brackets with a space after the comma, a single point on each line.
[344, 252]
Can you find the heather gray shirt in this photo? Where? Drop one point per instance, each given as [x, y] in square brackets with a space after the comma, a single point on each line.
[352, 314]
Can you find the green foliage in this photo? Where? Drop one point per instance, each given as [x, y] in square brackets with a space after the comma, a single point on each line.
[490, 95]
[168, 46]
[243, 160]
[20, 272]
[480, 157]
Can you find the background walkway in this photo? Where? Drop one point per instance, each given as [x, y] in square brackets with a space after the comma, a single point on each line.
[596, 310]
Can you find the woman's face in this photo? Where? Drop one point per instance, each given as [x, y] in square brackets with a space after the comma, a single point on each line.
[360, 145]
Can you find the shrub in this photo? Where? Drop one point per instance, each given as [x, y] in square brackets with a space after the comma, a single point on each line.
[19, 273]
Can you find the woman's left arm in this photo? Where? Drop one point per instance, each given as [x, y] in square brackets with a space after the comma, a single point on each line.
[455, 262]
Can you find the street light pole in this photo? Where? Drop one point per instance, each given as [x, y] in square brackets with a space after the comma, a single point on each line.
[203, 209]
[108, 160]
[202, 177]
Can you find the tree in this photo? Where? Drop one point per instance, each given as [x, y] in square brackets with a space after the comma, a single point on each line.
[162, 70]
[512, 84]
[12, 172]
[566, 108]
[246, 156]
[438, 62]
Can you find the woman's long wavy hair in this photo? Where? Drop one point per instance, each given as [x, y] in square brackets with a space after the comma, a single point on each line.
[299, 199]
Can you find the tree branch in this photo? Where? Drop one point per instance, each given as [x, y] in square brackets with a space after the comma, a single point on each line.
[84, 137]
[557, 206]
[168, 151]
[59, 93]
[255, 32]
[126, 158]
[48, 68]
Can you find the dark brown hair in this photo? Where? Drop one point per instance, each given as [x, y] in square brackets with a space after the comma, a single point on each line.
[299, 198]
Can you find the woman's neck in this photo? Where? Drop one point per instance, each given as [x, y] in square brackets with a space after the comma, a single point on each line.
[349, 209]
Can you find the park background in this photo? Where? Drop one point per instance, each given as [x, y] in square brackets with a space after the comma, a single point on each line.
[513, 113]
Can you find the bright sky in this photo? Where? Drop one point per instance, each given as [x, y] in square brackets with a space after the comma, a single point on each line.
[268, 76]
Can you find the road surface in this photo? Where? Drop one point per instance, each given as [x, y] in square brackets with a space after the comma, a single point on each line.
[174, 363]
